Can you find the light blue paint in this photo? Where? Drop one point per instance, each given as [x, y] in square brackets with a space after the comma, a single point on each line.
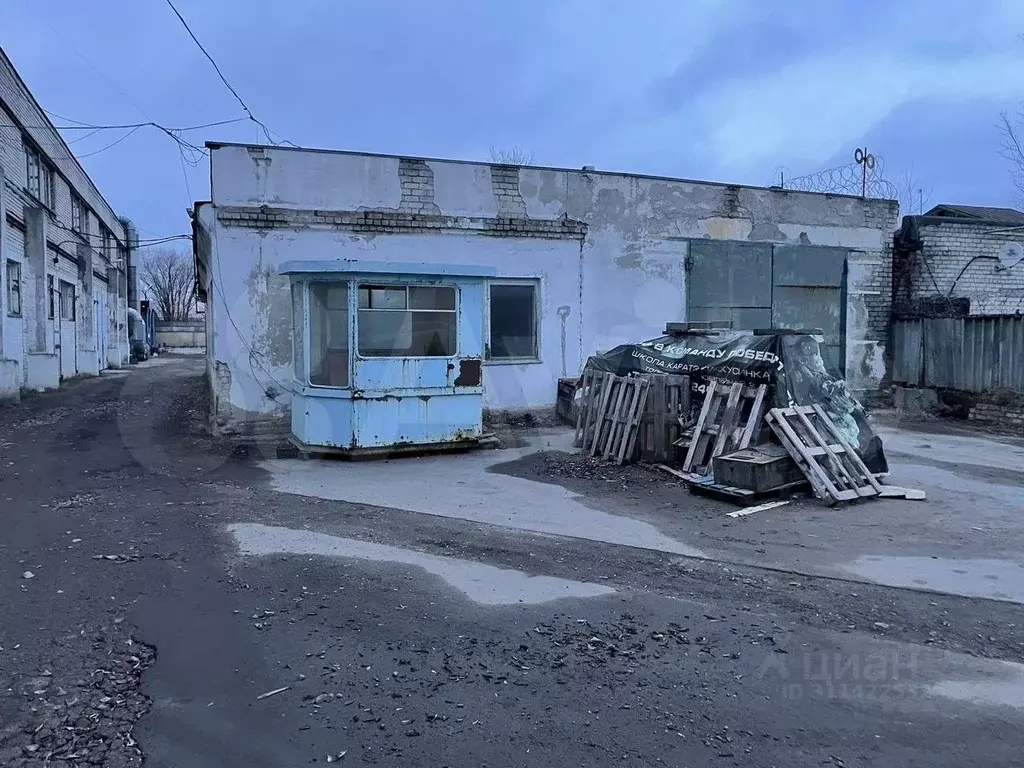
[391, 400]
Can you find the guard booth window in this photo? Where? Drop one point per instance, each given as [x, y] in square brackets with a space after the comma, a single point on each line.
[328, 335]
[407, 321]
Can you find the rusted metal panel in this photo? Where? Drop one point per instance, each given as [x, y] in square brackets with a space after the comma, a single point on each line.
[470, 373]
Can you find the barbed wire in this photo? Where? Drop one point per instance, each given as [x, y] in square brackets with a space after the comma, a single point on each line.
[841, 180]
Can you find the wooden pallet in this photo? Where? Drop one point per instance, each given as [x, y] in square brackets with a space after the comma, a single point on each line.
[830, 463]
[667, 410]
[729, 420]
[591, 389]
[618, 418]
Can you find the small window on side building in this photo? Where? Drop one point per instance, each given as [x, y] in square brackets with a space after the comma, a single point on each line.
[52, 299]
[13, 289]
[67, 301]
[513, 321]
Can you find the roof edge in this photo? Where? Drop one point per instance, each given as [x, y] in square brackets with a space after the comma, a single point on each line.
[214, 145]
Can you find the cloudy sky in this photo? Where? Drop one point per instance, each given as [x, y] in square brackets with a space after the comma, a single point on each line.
[729, 90]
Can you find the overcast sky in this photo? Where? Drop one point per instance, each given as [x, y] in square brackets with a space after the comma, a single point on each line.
[728, 90]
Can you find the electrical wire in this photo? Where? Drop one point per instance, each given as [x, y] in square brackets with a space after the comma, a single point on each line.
[220, 74]
[109, 146]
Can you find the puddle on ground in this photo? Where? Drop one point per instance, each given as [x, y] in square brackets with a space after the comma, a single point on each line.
[485, 584]
[979, 577]
[1003, 686]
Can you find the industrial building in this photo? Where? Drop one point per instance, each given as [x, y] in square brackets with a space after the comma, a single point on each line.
[65, 255]
[572, 262]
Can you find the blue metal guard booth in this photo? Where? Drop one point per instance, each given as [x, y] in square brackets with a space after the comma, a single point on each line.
[386, 356]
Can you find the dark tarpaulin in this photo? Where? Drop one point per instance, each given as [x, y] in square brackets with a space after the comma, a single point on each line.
[789, 363]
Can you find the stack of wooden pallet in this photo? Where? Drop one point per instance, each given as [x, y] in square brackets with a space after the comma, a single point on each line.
[608, 414]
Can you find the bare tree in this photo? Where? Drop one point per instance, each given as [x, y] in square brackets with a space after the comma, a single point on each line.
[511, 155]
[914, 196]
[1012, 149]
[168, 278]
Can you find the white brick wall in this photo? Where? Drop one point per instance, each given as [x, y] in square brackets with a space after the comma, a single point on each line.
[962, 259]
[22, 121]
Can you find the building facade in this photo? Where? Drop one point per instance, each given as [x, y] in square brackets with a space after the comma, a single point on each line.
[960, 260]
[65, 256]
[584, 260]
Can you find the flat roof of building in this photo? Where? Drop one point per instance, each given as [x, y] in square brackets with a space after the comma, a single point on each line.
[585, 169]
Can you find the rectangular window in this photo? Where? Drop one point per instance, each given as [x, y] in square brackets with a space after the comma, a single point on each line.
[50, 296]
[108, 241]
[79, 215]
[67, 301]
[513, 321]
[298, 332]
[14, 289]
[328, 335]
[39, 174]
[407, 321]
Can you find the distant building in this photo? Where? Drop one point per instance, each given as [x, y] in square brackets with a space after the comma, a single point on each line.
[960, 260]
[582, 260]
[65, 255]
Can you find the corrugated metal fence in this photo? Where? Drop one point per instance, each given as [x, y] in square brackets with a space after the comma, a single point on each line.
[972, 354]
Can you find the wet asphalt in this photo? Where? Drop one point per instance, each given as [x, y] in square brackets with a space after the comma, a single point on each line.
[173, 615]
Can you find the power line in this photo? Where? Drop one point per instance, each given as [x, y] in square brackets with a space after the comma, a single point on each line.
[124, 126]
[110, 145]
[248, 112]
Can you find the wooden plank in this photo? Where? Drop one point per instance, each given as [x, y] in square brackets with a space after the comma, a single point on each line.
[614, 415]
[587, 392]
[819, 478]
[850, 450]
[759, 508]
[642, 389]
[672, 471]
[732, 406]
[656, 403]
[592, 402]
[755, 418]
[838, 468]
[698, 430]
[599, 416]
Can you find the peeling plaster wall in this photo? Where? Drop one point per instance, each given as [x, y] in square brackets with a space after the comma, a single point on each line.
[623, 282]
[259, 303]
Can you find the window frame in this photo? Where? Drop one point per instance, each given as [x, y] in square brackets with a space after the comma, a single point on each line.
[535, 283]
[45, 190]
[307, 340]
[74, 301]
[51, 305]
[14, 288]
[79, 215]
[106, 241]
[356, 310]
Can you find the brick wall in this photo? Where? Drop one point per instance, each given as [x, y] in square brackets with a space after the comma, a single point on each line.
[958, 259]
[1009, 416]
[381, 222]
